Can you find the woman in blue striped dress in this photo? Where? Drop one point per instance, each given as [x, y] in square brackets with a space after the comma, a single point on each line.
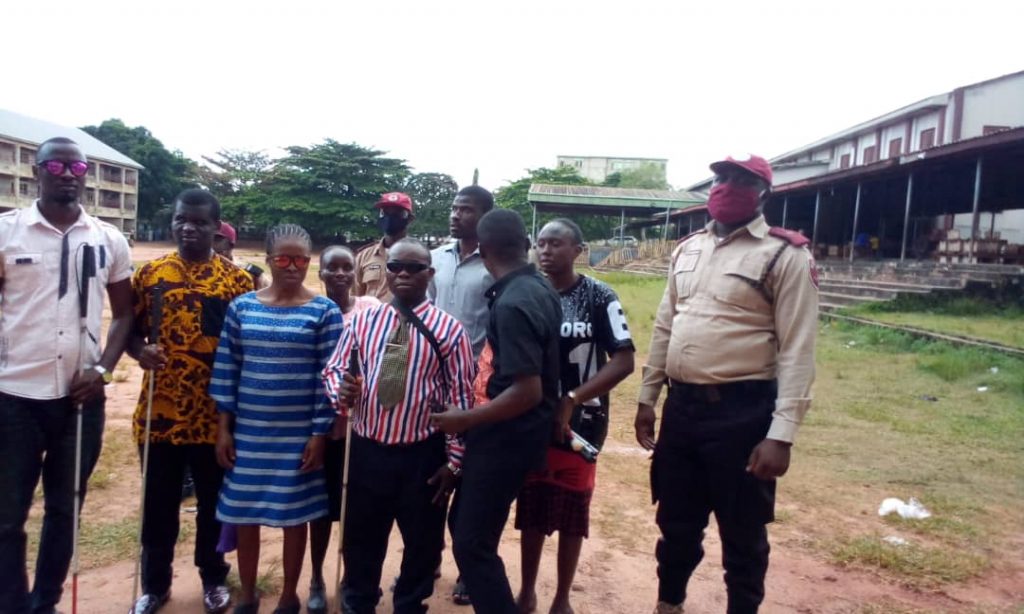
[274, 415]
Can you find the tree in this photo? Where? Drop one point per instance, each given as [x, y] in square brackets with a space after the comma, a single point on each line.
[513, 196]
[432, 194]
[647, 176]
[237, 178]
[329, 188]
[165, 172]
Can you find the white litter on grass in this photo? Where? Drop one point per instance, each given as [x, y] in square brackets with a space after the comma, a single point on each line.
[852, 343]
[912, 509]
[982, 388]
[895, 540]
[994, 370]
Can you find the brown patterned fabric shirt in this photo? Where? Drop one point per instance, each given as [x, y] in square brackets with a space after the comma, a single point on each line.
[195, 299]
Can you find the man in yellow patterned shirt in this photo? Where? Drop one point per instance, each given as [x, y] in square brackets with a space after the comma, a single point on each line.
[197, 285]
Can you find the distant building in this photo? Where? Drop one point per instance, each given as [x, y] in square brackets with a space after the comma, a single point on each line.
[597, 168]
[979, 109]
[942, 169]
[112, 183]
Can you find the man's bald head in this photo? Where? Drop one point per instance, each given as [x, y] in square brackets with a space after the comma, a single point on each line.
[409, 250]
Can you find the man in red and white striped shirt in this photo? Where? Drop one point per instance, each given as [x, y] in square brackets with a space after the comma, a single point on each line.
[401, 467]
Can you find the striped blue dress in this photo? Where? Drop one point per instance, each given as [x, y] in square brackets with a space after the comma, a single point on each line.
[267, 373]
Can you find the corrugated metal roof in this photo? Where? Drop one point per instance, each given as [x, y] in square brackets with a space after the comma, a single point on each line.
[972, 146]
[590, 191]
[29, 129]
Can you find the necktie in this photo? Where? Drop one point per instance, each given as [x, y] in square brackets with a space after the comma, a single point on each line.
[391, 384]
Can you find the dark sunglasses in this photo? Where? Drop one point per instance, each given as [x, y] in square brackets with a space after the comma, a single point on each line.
[57, 167]
[283, 262]
[411, 267]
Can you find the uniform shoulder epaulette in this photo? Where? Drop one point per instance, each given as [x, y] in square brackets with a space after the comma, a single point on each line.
[692, 234]
[793, 237]
[367, 246]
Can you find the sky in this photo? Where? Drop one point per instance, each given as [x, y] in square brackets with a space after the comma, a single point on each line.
[499, 85]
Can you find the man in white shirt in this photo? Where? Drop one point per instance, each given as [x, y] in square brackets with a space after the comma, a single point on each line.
[56, 259]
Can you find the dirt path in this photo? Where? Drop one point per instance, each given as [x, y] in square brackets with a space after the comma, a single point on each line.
[617, 572]
[612, 577]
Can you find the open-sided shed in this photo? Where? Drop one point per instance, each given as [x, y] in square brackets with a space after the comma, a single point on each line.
[617, 202]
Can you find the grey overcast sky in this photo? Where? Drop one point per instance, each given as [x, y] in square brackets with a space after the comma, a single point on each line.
[499, 85]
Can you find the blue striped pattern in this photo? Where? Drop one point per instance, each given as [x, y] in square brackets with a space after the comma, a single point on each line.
[267, 373]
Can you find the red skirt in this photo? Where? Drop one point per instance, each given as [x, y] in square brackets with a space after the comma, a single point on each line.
[558, 498]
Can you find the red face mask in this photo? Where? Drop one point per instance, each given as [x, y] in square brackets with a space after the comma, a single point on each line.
[732, 204]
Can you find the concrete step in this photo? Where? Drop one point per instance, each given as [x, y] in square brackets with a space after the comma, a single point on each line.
[844, 300]
[868, 291]
[885, 285]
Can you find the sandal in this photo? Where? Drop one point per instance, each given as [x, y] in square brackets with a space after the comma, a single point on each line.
[460, 596]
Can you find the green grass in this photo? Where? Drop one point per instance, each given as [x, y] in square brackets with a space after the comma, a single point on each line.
[965, 316]
[919, 564]
[874, 432]
[268, 583]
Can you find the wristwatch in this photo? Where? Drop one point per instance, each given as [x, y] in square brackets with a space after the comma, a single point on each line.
[572, 395]
[106, 375]
[455, 470]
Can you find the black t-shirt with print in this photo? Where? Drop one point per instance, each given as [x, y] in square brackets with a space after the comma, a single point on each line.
[593, 328]
[523, 332]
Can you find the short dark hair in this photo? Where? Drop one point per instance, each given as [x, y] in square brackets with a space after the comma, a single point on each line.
[414, 243]
[56, 140]
[572, 227]
[502, 235]
[331, 248]
[481, 197]
[197, 197]
[282, 231]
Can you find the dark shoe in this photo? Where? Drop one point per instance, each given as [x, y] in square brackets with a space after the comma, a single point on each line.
[247, 608]
[317, 602]
[460, 596]
[149, 603]
[216, 599]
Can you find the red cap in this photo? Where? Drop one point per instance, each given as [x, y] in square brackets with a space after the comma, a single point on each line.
[748, 162]
[395, 199]
[228, 232]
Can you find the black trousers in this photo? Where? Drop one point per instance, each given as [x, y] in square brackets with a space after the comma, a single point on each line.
[164, 479]
[491, 480]
[37, 439]
[388, 484]
[706, 437]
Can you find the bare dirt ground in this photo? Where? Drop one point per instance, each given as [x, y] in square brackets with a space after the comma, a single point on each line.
[617, 571]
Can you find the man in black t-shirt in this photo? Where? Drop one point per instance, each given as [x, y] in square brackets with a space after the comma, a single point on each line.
[507, 436]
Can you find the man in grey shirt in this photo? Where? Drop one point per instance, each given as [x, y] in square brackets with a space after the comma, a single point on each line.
[460, 281]
[461, 278]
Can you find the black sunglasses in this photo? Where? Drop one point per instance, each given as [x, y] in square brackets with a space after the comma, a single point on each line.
[412, 268]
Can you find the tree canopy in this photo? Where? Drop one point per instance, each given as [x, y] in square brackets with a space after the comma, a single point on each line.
[648, 176]
[166, 172]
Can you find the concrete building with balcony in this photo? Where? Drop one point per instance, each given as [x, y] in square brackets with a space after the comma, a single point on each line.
[597, 168]
[111, 185]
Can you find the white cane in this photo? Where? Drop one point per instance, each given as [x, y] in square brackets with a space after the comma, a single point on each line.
[85, 273]
[353, 369]
[154, 335]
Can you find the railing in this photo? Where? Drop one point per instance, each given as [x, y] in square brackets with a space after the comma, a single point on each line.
[651, 249]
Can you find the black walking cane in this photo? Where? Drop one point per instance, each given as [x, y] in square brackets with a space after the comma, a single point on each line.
[354, 370]
[85, 274]
[155, 317]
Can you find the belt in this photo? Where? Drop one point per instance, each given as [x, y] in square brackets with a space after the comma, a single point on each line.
[717, 393]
